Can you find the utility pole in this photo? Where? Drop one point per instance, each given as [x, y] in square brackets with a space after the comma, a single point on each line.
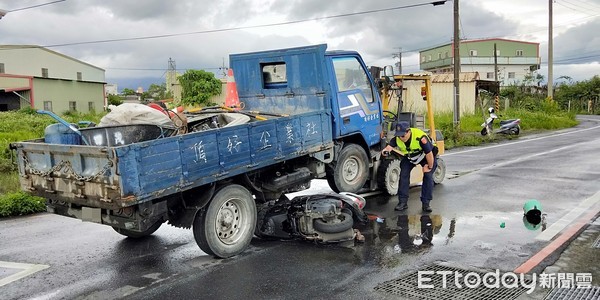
[456, 119]
[223, 68]
[399, 57]
[495, 63]
[550, 49]
[171, 76]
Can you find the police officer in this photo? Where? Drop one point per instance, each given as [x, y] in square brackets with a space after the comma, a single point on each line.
[416, 149]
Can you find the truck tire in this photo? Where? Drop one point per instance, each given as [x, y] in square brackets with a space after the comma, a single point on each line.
[440, 171]
[225, 227]
[137, 234]
[350, 171]
[342, 223]
[388, 176]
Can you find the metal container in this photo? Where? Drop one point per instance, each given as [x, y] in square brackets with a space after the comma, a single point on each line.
[119, 135]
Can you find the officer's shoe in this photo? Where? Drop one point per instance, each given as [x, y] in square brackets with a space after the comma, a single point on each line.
[401, 206]
[427, 208]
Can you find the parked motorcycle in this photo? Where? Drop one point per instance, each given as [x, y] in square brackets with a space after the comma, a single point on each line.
[511, 126]
[323, 218]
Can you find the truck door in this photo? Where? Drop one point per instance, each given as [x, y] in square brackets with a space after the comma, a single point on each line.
[357, 99]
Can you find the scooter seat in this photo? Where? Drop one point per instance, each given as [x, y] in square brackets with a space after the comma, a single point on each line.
[507, 121]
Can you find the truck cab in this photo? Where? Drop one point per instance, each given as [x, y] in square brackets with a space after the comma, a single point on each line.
[299, 80]
[356, 104]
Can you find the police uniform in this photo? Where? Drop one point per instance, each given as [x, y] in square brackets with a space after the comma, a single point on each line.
[414, 151]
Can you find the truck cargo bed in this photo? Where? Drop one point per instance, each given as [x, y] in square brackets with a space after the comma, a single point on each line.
[114, 177]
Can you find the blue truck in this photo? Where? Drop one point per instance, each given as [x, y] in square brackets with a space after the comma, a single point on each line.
[324, 119]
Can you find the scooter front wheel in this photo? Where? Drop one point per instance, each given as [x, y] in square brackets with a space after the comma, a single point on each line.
[484, 131]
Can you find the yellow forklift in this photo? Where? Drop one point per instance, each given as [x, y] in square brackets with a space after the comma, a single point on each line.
[392, 92]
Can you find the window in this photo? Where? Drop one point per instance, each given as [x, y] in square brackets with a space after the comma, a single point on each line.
[2, 71]
[472, 52]
[48, 105]
[423, 58]
[274, 75]
[91, 106]
[490, 75]
[511, 75]
[79, 76]
[440, 55]
[72, 105]
[428, 57]
[519, 53]
[45, 72]
[497, 52]
[447, 54]
[350, 76]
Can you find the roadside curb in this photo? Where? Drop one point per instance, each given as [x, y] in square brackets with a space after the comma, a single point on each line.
[560, 242]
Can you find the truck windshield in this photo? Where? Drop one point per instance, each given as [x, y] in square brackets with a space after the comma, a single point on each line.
[351, 76]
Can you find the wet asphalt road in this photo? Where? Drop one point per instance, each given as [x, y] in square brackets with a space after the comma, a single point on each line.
[484, 187]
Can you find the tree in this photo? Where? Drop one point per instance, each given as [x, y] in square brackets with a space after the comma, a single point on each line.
[198, 87]
[128, 92]
[159, 92]
[114, 99]
[576, 95]
[532, 78]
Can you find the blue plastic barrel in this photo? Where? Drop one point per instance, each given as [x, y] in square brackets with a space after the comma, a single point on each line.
[61, 134]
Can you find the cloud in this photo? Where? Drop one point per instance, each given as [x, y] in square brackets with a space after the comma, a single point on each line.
[375, 35]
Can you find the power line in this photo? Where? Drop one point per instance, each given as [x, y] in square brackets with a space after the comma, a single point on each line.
[35, 6]
[594, 5]
[576, 8]
[585, 7]
[434, 3]
[159, 69]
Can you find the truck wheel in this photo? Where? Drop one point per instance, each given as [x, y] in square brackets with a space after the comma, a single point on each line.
[388, 176]
[139, 234]
[350, 171]
[225, 227]
[440, 171]
[341, 223]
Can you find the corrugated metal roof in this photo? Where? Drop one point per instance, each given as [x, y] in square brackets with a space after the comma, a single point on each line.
[449, 77]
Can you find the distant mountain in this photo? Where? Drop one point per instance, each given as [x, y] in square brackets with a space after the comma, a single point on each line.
[134, 83]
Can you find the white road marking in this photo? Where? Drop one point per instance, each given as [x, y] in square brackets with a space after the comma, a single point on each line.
[559, 225]
[518, 142]
[28, 269]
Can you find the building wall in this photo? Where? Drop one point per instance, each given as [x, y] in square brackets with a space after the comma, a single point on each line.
[515, 59]
[442, 97]
[61, 92]
[64, 79]
[19, 60]
[503, 47]
[111, 89]
[507, 74]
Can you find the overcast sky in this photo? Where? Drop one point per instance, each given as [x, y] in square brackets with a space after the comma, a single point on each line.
[199, 34]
